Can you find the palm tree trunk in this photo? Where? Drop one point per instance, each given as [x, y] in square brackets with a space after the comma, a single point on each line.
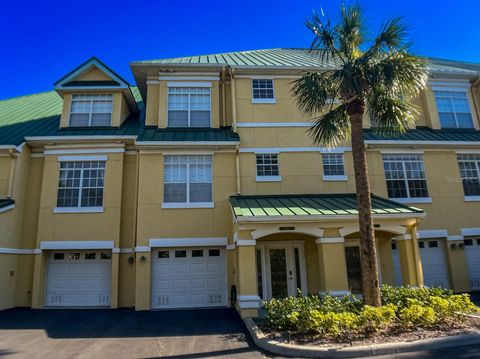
[370, 285]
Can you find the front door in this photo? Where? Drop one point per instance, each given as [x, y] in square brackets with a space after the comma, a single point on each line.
[354, 269]
[278, 272]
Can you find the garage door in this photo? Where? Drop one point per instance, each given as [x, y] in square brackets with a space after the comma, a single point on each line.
[79, 279]
[396, 264]
[472, 252]
[189, 278]
[433, 263]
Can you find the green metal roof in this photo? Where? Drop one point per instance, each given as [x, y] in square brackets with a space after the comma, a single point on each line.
[223, 134]
[5, 202]
[274, 206]
[427, 134]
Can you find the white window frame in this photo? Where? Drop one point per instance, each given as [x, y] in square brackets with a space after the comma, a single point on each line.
[206, 85]
[332, 178]
[90, 113]
[469, 198]
[260, 178]
[464, 90]
[187, 203]
[264, 100]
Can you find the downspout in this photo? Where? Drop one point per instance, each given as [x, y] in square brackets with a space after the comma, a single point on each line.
[474, 97]
[234, 104]
[13, 166]
[135, 225]
[237, 168]
[223, 122]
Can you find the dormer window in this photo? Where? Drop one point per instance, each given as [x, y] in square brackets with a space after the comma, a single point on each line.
[189, 106]
[91, 110]
[453, 109]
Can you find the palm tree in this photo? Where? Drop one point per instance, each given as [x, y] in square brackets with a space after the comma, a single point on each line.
[374, 76]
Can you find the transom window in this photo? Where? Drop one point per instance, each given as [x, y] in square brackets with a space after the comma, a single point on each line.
[470, 172]
[81, 184]
[453, 109]
[267, 165]
[405, 175]
[262, 90]
[333, 164]
[91, 110]
[189, 107]
[188, 179]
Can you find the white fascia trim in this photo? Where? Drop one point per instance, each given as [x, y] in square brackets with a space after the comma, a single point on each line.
[411, 143]
[18, 148]
[189, 84]
[264, 100]
[189, 242]
[78, 210]
[335, 178]
[77, 245]
[432, 233]
[295, 149]
[189, 205]
[329, 240]
[267, 77]
[273, 124]
[93, 151]
[268, 178]
[16, 251]
[472, 198]
[413, 200]
[245, 242]
[187, 143]
[230, 247]
[400, 151]
[125, 250]
[187, 153]
[455, 238]
[403, 237]
[81, 158]
[470, 231]
[474, 152]
[142, 249]
[59, 138]
[189, 78]
[7, 208]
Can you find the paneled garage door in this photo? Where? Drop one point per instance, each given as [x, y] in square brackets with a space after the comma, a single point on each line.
[79, 278]
[433, 263]
[472, 252]
[189, 278]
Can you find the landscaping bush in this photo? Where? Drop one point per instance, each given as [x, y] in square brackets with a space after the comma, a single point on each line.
[403, 309]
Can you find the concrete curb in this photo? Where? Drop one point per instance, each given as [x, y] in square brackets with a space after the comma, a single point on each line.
[279, 348]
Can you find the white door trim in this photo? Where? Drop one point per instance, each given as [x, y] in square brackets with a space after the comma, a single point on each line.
[77, 245]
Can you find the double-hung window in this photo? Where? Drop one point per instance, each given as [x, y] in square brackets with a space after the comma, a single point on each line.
[188, 181]
[267, 167]
[81, 184]
[469, 164]
[91, 110]
[333, 168]
[405, 176]
[189, 107]
[453, 109]
[262, 91]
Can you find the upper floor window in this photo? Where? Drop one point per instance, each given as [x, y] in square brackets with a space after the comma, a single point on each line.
[189, 106]
[470, 172]
[267, 167]
[262, 91]
[188, 179]
[81, 184]
[333, 164]
[453, 109]
[91, 110]
[405, 176]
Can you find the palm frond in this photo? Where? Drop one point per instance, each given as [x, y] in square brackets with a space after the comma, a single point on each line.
[324, 39]
[351, 30]
[331, 128]
[392, 37]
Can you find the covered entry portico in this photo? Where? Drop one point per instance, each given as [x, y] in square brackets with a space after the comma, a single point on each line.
[283, 244]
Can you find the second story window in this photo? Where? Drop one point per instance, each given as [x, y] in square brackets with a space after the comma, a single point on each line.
[91, 110]
[189, 106]
[188, 179]
[333, 164]
[405, 176]
[453, 109]
[267, 166]
[81, 184]
[262, 91]
[470, 172]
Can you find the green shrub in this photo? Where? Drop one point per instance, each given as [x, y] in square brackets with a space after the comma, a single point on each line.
[416, 314]
[399, 296]
[333, 324]
[373, 319]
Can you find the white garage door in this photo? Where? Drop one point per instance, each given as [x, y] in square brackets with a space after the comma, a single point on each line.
[79, 279]
[433, 263]
[396, 264]
[472, 252]
[189, 278]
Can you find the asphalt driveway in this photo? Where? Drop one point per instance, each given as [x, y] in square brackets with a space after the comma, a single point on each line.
[123, 333]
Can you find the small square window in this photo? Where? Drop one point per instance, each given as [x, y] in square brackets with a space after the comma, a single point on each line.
[90, 255]
[468, 242]
[163, 254]
[263, 89]
[433, 244]
[197, 253]
[267, 165]
[421, 244]
[214, 252]
[58, 256]
[74, 256]
[105, 255]
[478, 242]
[394, 246]
[180, 254]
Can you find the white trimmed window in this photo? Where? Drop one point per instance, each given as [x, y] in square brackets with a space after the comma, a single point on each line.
[188, 179]
[470, 172]
[405, 176]
[453, 109]
[81, 184]
[189, 106]
[333, 164]
[262, 91]
[267, 166]
[91, 110]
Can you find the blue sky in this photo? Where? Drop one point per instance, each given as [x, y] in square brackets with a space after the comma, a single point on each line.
[43, 40]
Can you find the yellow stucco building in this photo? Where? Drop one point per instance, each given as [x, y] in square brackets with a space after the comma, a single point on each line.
[199, 187]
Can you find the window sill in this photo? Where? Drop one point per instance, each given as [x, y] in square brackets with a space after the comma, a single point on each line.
[264, 100]
[189, 205]
[472, 198]
[413, 200]
[78, 210]
[335, 178]
[268, 178]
